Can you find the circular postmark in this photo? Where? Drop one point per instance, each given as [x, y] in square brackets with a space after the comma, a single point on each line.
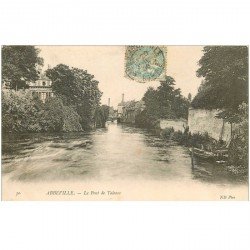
[145, 63]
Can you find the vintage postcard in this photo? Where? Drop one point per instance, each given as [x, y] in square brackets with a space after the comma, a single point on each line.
[124, 123]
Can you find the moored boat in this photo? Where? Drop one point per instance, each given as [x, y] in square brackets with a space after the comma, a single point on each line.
[219, 156]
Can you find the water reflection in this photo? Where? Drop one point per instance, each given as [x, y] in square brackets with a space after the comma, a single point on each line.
[118, 152]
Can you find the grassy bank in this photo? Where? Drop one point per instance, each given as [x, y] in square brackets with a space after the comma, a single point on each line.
[237, 148]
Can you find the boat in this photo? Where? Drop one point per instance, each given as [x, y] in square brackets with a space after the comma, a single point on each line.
[219, 156]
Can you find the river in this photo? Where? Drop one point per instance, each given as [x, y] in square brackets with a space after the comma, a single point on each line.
[117, 153]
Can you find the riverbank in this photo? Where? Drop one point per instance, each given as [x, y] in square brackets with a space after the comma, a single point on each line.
[204, 147]
[24, 112]
[117, 158]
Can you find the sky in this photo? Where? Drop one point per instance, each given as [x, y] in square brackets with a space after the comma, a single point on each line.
[106, 63]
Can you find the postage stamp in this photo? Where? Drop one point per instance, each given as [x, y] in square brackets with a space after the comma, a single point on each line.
[144, 63]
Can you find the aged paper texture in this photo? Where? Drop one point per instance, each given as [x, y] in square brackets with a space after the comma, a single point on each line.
[125, 123]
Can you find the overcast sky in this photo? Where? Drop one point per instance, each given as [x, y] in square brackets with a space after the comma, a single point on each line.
[107, 64]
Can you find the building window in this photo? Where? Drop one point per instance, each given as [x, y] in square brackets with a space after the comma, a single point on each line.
[44, 83]
[43, 96]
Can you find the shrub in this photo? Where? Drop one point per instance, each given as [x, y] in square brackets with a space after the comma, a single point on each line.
[71, 120]
[101, 116]
[198, 140]
[182, 138]
[143, 120]
[238, 147]
[179, 137]
[58, 117]
[20, 112]
[167, 133]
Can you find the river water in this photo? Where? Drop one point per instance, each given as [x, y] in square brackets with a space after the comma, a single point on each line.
[115, 153]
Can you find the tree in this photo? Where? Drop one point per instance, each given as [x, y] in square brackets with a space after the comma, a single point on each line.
[19, 65]
[101, 116]
[152, 102]
[52, 117]
[21, 112]
[63, 83]
[165, 102]
[225, 73]
[173, 104]
[78, 88]
[58, 117]
[238, 147]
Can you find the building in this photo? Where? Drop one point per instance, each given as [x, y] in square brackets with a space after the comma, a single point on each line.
[120, 108]
[127, 111]
[131, 110]
[41, 87]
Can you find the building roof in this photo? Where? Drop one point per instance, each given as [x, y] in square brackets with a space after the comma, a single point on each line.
[43, 77]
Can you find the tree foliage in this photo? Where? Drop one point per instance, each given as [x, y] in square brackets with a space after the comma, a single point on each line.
[238, 148]
[225, 73]
[101, 115]
[23, 112]
[173, 104]
[225, 86]
[165, 102]
[20, 112]
[78, 88]
[19, 65]
[58, 117]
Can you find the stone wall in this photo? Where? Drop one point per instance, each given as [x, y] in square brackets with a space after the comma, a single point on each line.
[205, 121]
[177, 125]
